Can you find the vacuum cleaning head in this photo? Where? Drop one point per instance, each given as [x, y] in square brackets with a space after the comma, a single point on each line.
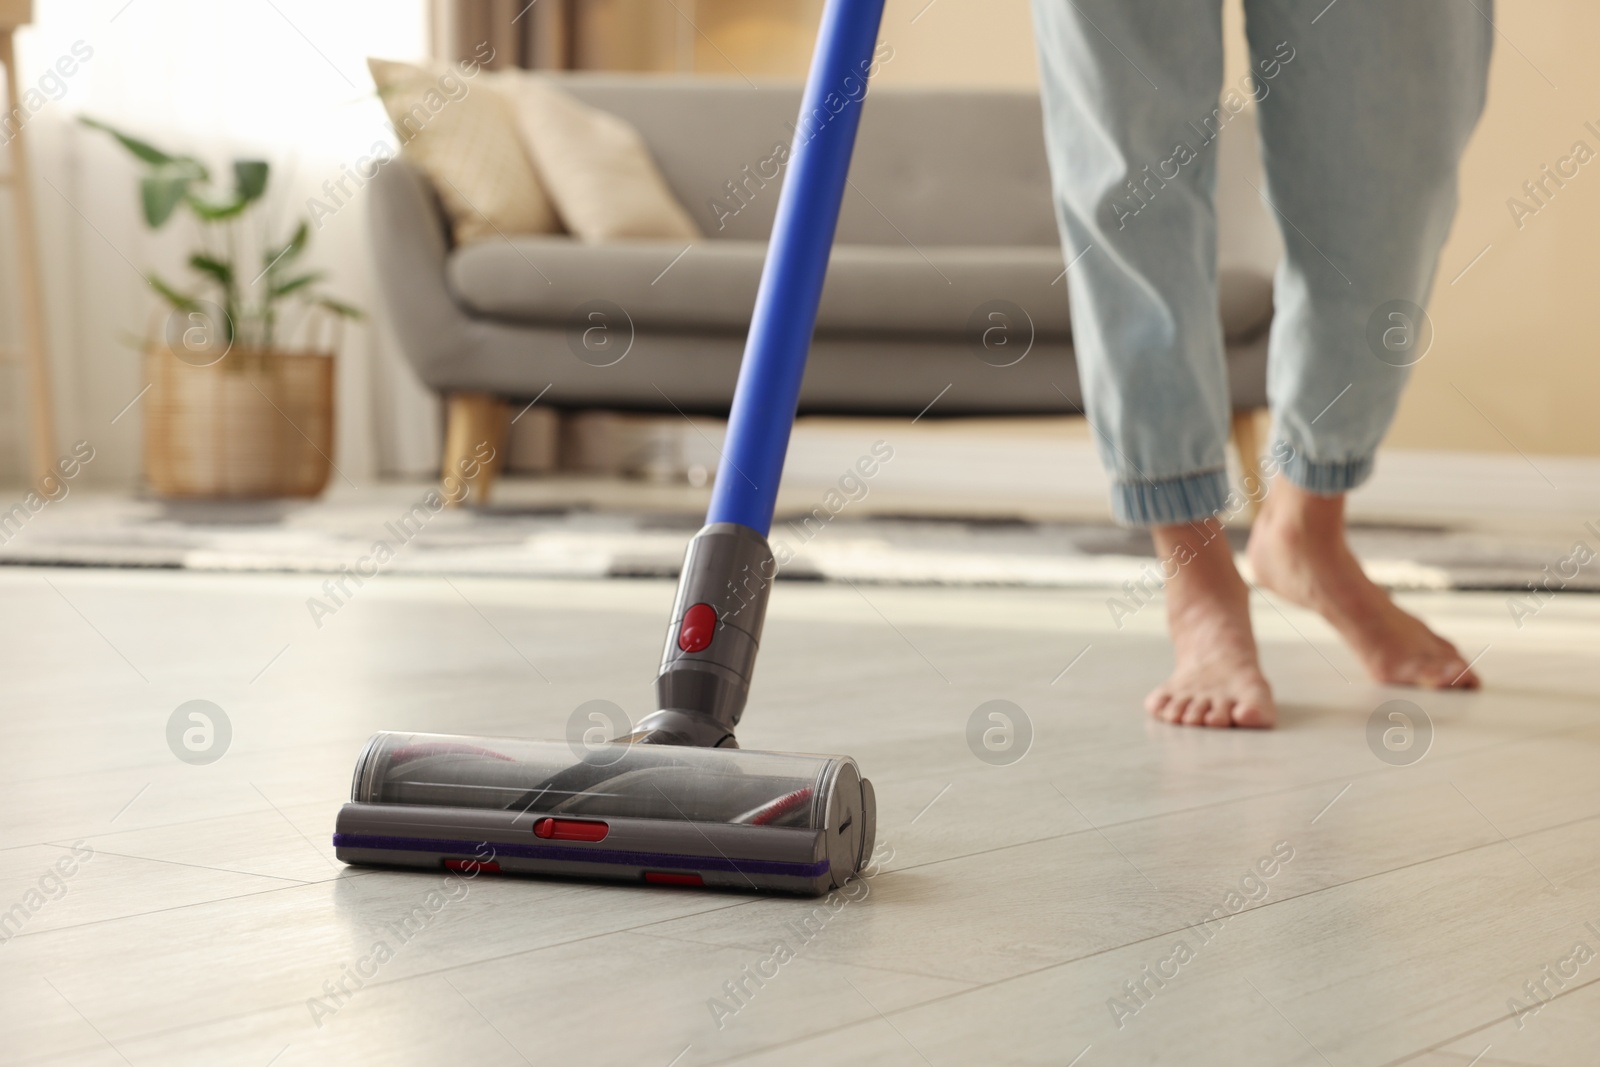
[660, 814]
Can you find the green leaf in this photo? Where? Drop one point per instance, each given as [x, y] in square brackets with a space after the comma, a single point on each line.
[340, 308]
[173, 297]
[294, 284]
[286, 253]
[161, 194]
[249, 178]
[209, 212]
[143, 149]
[222, 272]
[149, 153]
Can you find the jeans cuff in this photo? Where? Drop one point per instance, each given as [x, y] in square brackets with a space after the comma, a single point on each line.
[1325, 477]
[1187, 498]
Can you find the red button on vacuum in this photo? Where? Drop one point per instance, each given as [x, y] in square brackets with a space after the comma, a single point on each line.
[699, 623]
[570, 829]
[673, 878]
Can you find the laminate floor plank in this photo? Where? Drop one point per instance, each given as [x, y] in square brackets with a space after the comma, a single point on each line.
[1012, 902]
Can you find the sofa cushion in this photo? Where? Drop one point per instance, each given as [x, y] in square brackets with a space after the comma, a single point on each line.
[594, 165]
[711, 286]
[463, 137]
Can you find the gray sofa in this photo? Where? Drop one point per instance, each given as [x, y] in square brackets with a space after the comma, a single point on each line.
[948, 210]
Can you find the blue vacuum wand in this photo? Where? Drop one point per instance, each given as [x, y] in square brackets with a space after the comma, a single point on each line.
[722, 594]
[670, 803]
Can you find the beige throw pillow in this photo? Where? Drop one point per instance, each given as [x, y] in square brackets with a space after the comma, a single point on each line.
[459, 132]
[595, 166]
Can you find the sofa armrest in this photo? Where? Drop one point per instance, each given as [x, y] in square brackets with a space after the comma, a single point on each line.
[410, 245]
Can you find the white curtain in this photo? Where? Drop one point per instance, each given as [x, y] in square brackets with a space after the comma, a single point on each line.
[282, 80]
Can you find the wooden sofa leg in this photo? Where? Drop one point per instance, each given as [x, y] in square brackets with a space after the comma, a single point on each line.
[476, 428]
[1247, 443]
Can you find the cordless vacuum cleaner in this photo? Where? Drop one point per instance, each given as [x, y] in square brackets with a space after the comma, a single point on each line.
[676, 801]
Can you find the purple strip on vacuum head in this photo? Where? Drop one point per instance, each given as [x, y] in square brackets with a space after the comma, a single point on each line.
[584, 855]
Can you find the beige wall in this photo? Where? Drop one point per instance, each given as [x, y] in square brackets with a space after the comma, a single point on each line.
[1517, 336]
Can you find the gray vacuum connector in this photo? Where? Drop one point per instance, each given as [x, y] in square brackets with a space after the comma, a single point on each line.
[713, 637]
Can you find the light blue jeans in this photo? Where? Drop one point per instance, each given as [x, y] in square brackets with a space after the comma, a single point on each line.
[1364, 108]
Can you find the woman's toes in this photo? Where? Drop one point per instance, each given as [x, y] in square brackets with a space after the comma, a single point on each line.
[1221, 714]
[1156, 701]
[1195, 713]
[1252, 713]
[1175, 708]
[1458, 673]
[1455, 675]
[1438, 675]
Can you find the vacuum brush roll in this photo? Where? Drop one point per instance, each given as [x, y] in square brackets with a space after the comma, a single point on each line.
[635, 813]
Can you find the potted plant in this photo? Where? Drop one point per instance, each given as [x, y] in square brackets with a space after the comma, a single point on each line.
[241, 391]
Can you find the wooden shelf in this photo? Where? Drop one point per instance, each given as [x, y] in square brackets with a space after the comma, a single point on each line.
[35, 350]
[14, 13]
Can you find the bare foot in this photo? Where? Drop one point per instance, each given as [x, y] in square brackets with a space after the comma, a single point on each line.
[1217, 680]
[1298, 550]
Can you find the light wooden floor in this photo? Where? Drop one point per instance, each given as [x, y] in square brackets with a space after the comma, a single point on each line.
[1017, 902]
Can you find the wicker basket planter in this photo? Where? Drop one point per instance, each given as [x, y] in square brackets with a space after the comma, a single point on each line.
[234, 409]
[257, 423]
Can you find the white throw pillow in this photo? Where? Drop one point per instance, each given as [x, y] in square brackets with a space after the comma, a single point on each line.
[459, 132]
[595, 166]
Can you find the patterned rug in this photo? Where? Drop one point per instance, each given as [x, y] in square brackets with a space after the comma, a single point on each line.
[398, 532]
